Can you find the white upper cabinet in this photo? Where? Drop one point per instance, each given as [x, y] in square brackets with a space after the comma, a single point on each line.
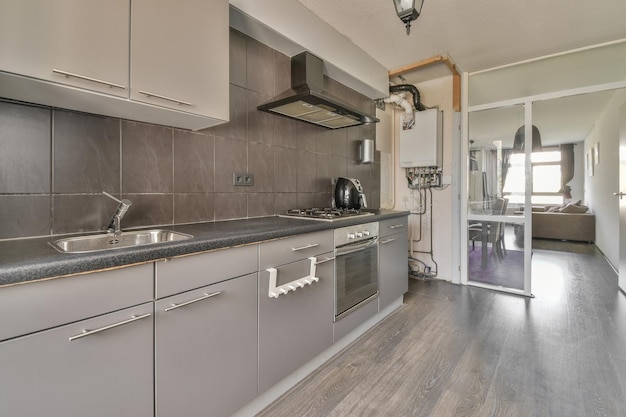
[81, 43]
[179, 55]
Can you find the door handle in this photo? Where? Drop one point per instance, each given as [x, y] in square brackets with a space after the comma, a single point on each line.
[195, 300]
[110, 326]
[620, 195]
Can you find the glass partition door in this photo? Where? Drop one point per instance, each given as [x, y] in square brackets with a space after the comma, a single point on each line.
[498, 180]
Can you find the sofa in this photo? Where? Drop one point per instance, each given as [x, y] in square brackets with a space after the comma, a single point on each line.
[571, 221]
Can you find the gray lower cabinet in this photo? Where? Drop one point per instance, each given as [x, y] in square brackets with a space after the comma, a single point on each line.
[297, 325]
[393, 275]
[99, 367]
[79, 346]
[206, 349]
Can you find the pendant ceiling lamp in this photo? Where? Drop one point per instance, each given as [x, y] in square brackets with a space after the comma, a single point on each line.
[408, 11]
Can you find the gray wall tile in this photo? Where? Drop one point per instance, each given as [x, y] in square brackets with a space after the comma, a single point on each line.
[24, 215]
[82, 213]
[285, 201]
[231, 157]
[230, 206]
[260, 67]
[340, 142]
[238, 58]
[307, 136]
[306, 200]
[193, 208]
[286, 132]
[323, 164]
[307, 168]
[24, 149]
[323, 199]
[260, 204]
[147, 158]
[261, 164]
[285, 170]
[260, 124]
[86, 153]
[338, 167]
[194, 162]
[282, 73]
[236, 128]
[149, 210]
[325, 142]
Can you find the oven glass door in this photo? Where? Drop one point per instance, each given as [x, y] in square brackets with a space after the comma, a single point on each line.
[356, 275]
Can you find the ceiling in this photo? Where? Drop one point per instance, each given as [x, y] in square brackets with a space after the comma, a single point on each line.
[477, 34]
[484, 34]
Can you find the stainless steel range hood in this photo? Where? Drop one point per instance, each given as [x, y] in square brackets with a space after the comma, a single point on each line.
[307, 101]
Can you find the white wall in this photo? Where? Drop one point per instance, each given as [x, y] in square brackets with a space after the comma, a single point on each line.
[599, 189]
[433, 93]
[578, 182]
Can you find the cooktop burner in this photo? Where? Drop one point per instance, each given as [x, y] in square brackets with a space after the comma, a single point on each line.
[324, 214]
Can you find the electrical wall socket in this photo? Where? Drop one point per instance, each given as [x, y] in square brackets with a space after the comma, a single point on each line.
[243, 178]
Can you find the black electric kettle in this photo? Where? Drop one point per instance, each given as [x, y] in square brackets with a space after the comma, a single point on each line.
[348, 194]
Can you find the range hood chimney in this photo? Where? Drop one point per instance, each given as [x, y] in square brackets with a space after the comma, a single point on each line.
[307, 101]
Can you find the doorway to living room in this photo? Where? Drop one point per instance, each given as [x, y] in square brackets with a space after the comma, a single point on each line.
[542, 183]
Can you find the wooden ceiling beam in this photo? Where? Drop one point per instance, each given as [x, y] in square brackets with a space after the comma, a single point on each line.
[445, 59]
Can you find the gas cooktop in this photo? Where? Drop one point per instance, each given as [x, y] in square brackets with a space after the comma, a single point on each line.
[324, 214]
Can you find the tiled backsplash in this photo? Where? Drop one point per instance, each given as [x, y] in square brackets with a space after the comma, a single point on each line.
[54, 164]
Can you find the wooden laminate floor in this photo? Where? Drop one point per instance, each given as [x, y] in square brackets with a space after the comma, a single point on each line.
[462, 351]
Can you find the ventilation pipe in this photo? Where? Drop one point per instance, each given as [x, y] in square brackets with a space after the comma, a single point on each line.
[409, 89]
[400, 101]
[408, 117]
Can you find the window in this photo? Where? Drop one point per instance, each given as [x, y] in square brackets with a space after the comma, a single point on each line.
[546, 175]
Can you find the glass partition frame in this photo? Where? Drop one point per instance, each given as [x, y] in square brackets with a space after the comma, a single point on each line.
[527, 101]
[484, 269]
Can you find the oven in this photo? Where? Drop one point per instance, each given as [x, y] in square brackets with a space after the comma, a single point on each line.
[356, 267]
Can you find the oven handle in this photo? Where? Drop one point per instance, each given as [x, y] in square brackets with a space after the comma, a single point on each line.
[356, 247]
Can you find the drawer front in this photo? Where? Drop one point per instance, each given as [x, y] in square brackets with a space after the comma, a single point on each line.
[392, 226]
[295, 248]
[40, 305]
[185, 273]
[65, 372]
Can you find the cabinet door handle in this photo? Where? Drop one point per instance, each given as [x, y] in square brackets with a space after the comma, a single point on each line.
[195, 300]
[173, 100]
[395, 226]
[94, 80]
[325, 260]
[387, 240]
[110, 326]
[312, 245]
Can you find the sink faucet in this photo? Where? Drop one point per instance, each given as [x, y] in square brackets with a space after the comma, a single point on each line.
[114, 226]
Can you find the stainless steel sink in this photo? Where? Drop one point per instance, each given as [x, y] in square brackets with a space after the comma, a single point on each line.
[101, 242]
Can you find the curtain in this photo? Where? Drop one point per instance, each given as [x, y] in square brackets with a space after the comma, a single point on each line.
[506, 163]
[567, 168]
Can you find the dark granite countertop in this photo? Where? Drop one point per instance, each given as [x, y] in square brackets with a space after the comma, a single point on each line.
[26, 260]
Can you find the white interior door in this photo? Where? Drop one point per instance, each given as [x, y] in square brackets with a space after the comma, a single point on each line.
[622, 199]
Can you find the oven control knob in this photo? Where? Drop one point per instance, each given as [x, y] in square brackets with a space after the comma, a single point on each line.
[359, 234]
[351, 236]
[366, 233]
